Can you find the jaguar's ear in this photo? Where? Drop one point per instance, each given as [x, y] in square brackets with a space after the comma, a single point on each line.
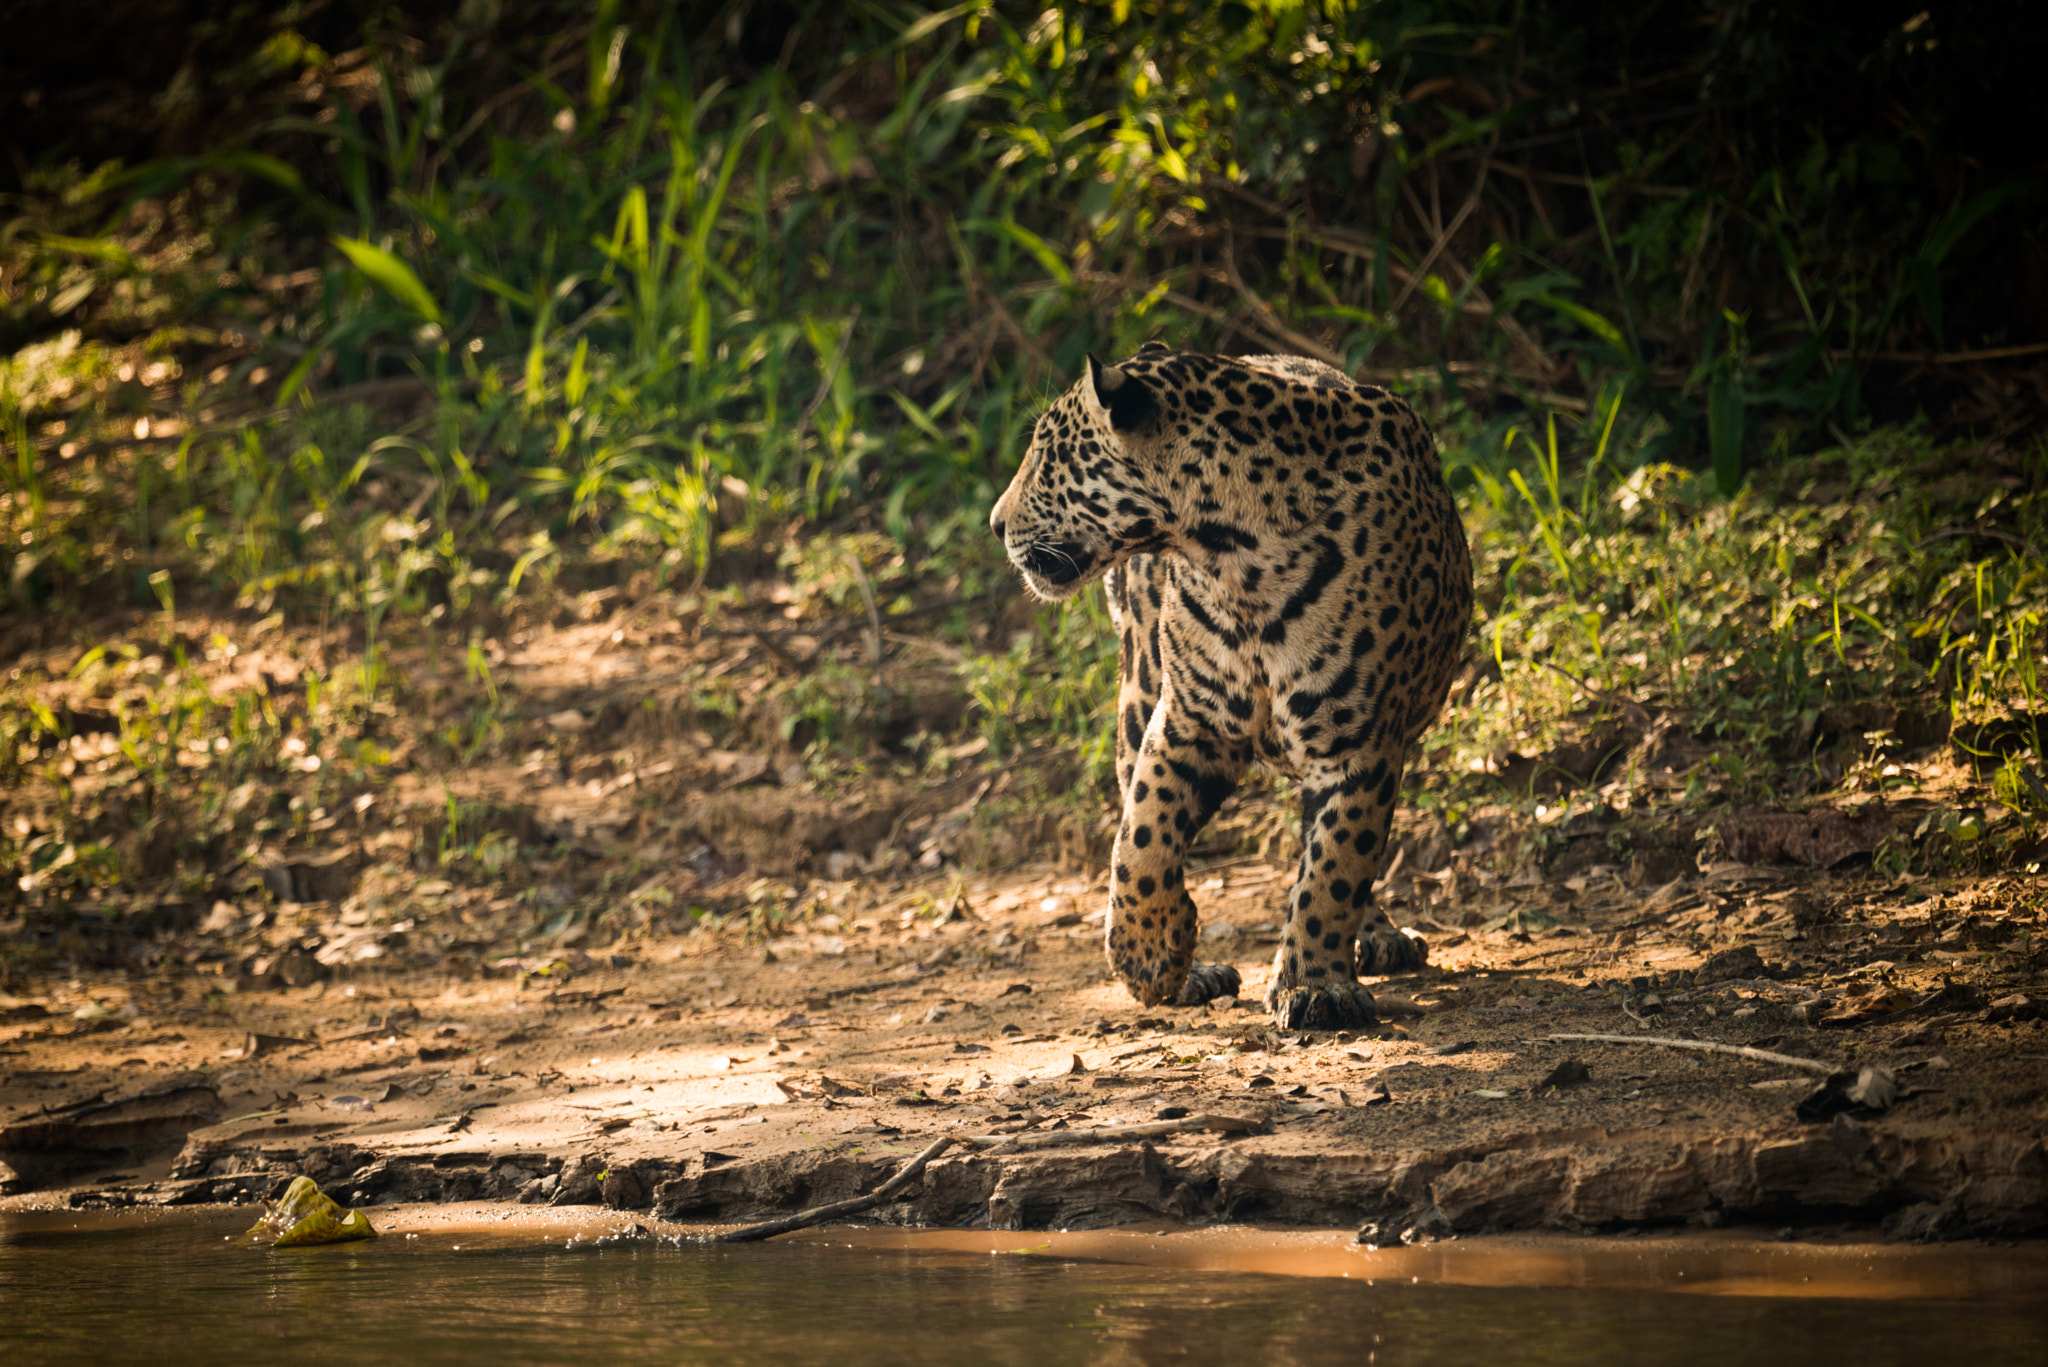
[1120, 400]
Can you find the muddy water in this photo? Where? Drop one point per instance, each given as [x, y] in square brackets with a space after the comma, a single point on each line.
[178, 1288]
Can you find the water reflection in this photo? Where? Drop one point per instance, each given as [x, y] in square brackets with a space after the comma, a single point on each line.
[169, 1289]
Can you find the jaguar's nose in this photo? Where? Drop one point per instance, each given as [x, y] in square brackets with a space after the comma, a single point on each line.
[998, 526]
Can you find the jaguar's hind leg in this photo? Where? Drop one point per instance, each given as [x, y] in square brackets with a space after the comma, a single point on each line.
[1346, 814]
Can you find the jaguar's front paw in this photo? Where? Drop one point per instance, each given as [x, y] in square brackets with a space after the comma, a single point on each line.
[1206, 982]
[1339, 1006]
[1384, 949]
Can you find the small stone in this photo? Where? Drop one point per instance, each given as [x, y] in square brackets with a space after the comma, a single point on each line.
[1741, 962]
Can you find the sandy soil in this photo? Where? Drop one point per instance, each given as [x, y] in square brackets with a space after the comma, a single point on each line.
[717, 1076]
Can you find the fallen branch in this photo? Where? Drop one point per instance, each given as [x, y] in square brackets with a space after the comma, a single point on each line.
[817, 1215]
[1550, 1009]
[1707, 1046]
[1151, 1129]
[1998, 353]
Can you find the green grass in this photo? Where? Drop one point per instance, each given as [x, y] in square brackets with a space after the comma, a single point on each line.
[437, 350]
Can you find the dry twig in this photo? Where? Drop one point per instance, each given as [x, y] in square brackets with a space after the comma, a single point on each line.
[817, 1215]
[1707, 1046]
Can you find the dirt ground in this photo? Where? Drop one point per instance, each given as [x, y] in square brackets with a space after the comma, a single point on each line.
[636, 964]
[714, 1077]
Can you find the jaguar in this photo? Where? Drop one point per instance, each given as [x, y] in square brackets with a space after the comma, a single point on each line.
[1291, 587]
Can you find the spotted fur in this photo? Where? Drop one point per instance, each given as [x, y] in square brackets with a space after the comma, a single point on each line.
[1291, 583]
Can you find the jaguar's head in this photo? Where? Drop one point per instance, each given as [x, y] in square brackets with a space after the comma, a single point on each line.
[1087, 496]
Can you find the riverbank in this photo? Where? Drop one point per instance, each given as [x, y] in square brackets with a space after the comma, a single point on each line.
[721, 1076]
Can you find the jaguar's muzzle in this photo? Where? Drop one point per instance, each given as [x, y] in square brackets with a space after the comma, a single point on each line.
[1057, 562]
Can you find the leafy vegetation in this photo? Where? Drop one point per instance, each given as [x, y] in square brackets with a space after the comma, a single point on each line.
[458, 325]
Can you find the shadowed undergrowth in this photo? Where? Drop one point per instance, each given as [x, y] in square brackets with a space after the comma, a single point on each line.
[302, 431]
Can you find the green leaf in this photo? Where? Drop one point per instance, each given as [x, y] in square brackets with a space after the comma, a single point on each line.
[511, 294]
[112, 252]
[1587, 319]
[1054, 263]
[933, 22]
[300, 373]
[391, 275]
[263, 167]
[918, 417]
[1966, 217]
[1724, 430]
[1927, 286]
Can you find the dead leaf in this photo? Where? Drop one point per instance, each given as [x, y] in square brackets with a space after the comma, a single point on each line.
[1869, 1089]
[1741, 962]
[744, 769]
[307, 1215]
[963, 1048]
[257, 1044]
[1016, 990]
[1876, 1003]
